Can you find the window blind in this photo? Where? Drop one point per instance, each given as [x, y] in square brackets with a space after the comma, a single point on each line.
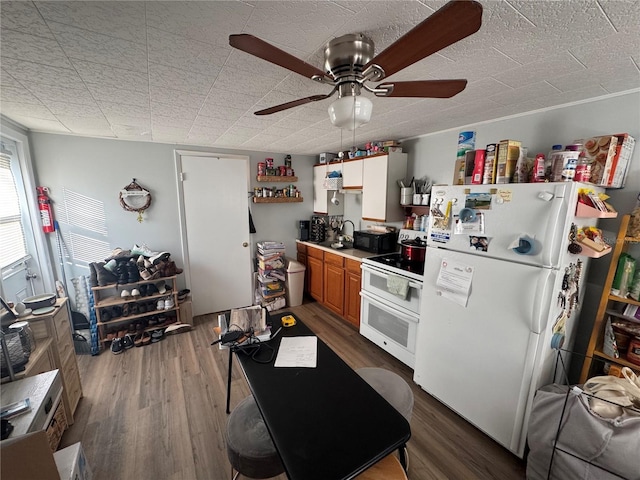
[12, 242]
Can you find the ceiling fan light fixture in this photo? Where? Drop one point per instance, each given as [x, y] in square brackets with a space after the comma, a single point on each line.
[350, 112]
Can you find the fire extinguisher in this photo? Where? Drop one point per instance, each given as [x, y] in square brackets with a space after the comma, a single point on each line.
[46, 212]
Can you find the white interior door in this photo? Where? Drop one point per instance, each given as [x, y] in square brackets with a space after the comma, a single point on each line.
[216, 231]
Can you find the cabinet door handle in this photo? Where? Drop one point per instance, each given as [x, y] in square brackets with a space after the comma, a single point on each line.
[245, 244]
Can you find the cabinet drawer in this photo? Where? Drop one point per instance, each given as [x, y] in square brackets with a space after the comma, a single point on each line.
[61, 325]
[352, 266]
[333, 259]
[72, 384]
[56, 427]
[315, 253]
[301, 248]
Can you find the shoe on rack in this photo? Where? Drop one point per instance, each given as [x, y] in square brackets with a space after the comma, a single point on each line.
[182, 295]
[153, 321]
[126, 295]
[135, 293]
[160, 304]
[104, 276]
[143, 290]
[140, 261]
[127, 342]
[93, 275]
[152, 289]
[159, 257]
[146, 338]
[105, 315]
[161, 287]
[157, 335]
[137, 340]
[111, 265]
[116, 346]
[169, 303]
[126, 310]
[134, 309]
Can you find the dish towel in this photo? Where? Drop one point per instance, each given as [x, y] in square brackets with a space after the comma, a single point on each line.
[398, 285]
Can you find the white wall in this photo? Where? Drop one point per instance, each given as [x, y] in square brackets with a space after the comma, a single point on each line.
[100, 168]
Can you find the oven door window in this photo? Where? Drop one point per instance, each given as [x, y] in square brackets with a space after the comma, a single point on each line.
[389, 322]
[375, 283]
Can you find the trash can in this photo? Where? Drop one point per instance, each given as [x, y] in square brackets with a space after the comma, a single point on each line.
[295, 282]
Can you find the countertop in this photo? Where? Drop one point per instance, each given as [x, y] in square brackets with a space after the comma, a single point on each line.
[352, 253]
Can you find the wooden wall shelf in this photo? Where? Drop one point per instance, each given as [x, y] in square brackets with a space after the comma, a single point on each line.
[276, 178]
[277, 199]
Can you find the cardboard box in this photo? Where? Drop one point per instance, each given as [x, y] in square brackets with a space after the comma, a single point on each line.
[600, 151]
[508, 153]
[620, 167]
[490, 164]
[463, 171]
[28, 457]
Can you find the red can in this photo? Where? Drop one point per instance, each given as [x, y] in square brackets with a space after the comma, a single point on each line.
[283, 170]
[261, 168]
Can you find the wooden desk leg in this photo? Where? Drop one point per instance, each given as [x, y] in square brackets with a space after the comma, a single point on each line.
[229, 380]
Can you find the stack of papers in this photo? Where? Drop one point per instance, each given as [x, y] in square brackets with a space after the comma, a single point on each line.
[267, 248]
[298, 352]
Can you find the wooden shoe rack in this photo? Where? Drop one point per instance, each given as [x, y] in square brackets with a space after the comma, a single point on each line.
[109, 296]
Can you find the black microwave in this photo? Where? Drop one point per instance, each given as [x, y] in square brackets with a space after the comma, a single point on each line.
[375, 242]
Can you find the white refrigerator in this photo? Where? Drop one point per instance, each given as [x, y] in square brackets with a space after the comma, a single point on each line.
[484, 337]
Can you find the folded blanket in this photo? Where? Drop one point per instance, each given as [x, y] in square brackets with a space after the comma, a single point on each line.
[398, 285]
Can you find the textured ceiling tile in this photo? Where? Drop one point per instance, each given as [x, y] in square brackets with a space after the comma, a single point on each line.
[206, 133]
[98, 48]
[227, 140]
[215, 123]
[125, 20]
[23, 110]
[178, 79]
[52, 93]
[537, 71]
[110, 94]
[233, 80]
[182, 112]
[24, 17]
[17, 93]
[226, 113]
[592, 91]
[31, 48]
[218, 97]
[243, 131]
[625, 15]
[617, 45]
[39, 124]
[239, 60]
[175, 133]
[170, 96]
[621, 84]
[27, 72]
[170, 121]
[6, 79]
[608, 69]
[112, 77]
[303, 25]
[180, 52]
[259, 122]
[534, 90]
[481, 89]
[130, 132]
[209, 22]
[124, 110]
[81, 111]
[86, 126]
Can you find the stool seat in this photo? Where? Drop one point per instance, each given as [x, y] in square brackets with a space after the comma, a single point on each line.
[388, 468]
[249, 445]
[391, 387]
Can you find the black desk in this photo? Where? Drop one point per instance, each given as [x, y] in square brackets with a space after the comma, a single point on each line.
[327, 423]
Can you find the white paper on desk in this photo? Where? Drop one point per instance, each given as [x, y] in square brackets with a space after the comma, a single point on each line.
[297, 352]
[454, 281]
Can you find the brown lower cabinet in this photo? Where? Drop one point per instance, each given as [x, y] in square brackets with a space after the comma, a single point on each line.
[333, 280]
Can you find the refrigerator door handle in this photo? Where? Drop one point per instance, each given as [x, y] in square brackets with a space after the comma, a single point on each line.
[555, 227]
[543, 300]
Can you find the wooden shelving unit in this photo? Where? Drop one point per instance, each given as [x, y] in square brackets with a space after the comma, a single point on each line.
[606, 309]
[276, 178]
[277, 199]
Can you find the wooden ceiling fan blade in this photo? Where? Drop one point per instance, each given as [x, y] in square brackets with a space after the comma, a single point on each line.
[294, 103]
[424, 88]
[453, 22]
[261, 49]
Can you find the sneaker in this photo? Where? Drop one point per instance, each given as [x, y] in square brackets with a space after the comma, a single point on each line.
[135, 293]
[169, 304]
[104, 276]
[127, 342]
[159, 257]
[140, 261]
[182, 295]
[160, 305]
[116, 346]
[162, 288]
[126, 294]
[152, 289]
[111, 265]
[142, 250]
[157, 335]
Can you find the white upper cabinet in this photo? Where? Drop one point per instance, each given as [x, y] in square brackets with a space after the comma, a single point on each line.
[352, 174]
[380, 190]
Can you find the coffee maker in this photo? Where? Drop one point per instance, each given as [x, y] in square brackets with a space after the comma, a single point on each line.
[304, 230]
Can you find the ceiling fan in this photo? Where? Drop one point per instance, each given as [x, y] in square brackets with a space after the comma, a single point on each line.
[350, 63]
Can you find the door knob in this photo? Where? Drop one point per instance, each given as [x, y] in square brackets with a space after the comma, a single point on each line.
[245, 244]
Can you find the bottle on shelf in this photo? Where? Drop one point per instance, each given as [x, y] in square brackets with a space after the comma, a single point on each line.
[548, 164]
[538, 170]
[583, 168]
[521, 174]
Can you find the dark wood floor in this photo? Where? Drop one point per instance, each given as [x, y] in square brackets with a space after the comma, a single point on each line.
[158, 412]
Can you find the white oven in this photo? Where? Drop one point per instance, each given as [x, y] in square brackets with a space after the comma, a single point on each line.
[387, 319]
